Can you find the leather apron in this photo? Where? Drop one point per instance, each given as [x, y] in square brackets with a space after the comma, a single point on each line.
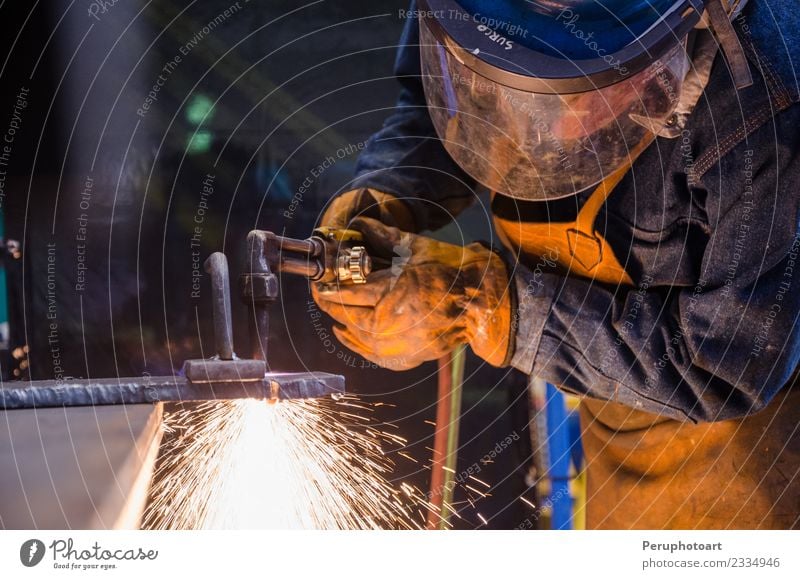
[648, 471]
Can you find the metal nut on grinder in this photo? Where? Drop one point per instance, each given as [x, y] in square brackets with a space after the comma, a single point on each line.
[340, 256]
[354, 264]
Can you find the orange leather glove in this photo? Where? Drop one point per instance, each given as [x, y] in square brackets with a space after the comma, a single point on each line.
[433, 297]
[367, 203]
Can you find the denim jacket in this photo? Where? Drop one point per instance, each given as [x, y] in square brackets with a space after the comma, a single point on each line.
[707, 225]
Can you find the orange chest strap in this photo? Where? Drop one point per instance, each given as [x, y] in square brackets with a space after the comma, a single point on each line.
[574, 245]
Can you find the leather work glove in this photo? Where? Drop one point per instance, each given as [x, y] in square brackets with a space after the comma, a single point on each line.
[367, 203]
[433, 297]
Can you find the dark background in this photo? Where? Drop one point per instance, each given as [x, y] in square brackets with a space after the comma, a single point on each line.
[285, 87]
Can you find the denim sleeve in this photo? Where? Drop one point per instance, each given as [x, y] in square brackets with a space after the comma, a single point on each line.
[716, 351]
[405, 157]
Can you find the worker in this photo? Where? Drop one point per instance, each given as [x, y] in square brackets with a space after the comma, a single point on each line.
[643, 160]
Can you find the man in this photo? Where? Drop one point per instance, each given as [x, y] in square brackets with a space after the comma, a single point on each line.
[644, 160]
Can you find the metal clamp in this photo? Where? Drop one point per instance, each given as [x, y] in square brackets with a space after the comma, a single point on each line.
[225, 366]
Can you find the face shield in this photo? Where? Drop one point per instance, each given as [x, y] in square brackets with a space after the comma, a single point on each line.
[542, 99]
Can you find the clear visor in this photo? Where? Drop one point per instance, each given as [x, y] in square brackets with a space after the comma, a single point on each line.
[543, 146]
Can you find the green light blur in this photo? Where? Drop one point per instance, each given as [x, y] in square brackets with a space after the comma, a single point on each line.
[199, 109]
[199, 142]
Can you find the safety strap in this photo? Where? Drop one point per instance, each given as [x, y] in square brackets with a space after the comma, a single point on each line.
[731, 46]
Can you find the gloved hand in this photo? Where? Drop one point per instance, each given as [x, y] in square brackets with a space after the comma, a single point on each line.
[433, 297]
[367, 203]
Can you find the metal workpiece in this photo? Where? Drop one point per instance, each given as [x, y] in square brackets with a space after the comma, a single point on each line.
[216, 370]
[150, 390]
[302, 385]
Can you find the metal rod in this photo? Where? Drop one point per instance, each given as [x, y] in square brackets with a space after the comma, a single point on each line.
[445, 441]
[308, 268]
[459, 356]
[217, 267]
[259, 331]
[305, 246]
[148, 390]
[440, 437]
